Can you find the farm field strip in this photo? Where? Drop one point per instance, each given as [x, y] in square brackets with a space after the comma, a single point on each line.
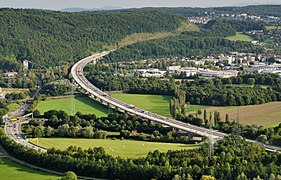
[263, 115]
[13, 106]
[155, 103]
[122, 148]
[82, 104]
[239, 37]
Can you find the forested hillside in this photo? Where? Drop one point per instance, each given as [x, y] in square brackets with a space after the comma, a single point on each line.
[210, 41]
[52, 38]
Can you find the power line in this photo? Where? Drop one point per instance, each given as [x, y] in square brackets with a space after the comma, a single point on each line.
[24, 78]
[109, 93]
[72, 101]
[9, 82]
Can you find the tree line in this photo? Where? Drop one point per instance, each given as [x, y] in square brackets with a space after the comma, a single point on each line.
[178, 102]
[210, 93]
[16, 96]
[3, 109]
[58, 88]
[267, 135]
[60, 124]
[230, 161]
[150, 85]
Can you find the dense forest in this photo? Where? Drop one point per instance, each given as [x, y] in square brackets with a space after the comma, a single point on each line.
[3, 109]
[228, 92]
[53, 38]
[210, 41]
[9, 63]
[223, 28]
[261, 10]
[180, 46]
[234, 158]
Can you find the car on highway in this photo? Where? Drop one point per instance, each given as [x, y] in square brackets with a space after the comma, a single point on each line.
[130, 106]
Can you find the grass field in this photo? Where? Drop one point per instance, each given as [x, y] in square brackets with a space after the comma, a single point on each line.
[10, 170]
[13, 106]
[194, 108]
[239, 37]
[272, 27]
[155, 103]
[122, 148]
[82, 104]
[264, 115]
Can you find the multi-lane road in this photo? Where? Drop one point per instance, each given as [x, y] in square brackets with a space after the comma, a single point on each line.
[13, 129]
[97, 94]
[94, 92]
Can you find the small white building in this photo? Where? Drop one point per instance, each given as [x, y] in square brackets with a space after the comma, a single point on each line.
[151, 72]
[25, 64]
[262, 68]
[173, 69]
[217, 74]
[11, 74]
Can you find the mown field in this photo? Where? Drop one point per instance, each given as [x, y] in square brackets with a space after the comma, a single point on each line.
[13, 106]
[155, 103]
[122, 148]
[272, 27]
[239, 37]
[264, 115]
[10, 170]
[82, 104]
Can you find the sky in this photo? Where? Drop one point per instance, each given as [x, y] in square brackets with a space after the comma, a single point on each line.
[61, 4]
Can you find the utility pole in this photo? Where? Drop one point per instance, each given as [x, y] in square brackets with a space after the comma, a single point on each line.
[9, 82]
[109, 93]
[116, 67]
[24, 78]
[72, 101]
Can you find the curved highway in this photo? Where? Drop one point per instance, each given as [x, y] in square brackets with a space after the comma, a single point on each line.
[94, 92]
[13, 128]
